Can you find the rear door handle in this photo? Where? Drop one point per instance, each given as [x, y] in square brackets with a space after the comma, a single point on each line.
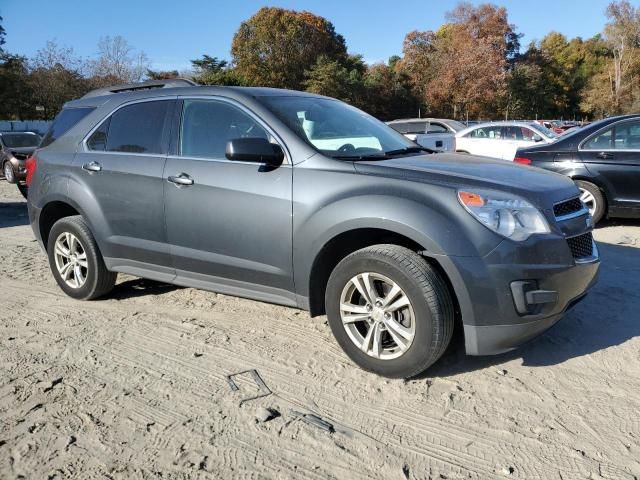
[604, 155]
[183, 179]
[92, 167]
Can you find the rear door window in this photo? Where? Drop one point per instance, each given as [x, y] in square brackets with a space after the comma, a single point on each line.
[138, 128]
[416, 127]
[63, 122]
[436, 128]
[627, 136]
[493, 132]
[602, 141]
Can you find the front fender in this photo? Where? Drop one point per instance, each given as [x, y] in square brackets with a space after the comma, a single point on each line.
[437, 232]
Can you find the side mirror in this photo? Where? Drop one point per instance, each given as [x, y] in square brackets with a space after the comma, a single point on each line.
[537, 138]
[258, 150]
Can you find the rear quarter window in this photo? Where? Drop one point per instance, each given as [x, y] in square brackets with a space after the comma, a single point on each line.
[139, 128]
[63, 122]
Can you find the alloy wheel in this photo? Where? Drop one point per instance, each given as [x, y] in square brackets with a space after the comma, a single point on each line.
[589, 200]
[8, 172]
[377, 315]
[71, 260]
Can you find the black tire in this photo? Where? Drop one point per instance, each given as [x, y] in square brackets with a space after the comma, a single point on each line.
[99, 281]
[24, 190]
[600, 203]
[426, 290]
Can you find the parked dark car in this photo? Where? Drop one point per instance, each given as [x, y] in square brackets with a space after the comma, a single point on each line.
[15, 148]
[604, 160]
[302, 200]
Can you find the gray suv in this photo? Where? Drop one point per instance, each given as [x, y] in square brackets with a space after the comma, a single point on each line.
[301, 200]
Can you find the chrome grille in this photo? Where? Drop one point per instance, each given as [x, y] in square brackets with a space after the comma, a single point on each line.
[581, 246]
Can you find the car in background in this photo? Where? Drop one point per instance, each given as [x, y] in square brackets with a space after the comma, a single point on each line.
[434, 133]
[15, 148]
[554, 125]
[501, 139]
[604, 160]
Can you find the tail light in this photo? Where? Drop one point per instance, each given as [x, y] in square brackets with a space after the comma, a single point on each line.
[30, 165]
[522, 160]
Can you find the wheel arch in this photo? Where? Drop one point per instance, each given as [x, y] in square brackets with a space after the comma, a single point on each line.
[349, 241]
[50, 214]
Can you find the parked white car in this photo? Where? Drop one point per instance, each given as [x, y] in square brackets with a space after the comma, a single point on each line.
[501, 139]
[434, 133]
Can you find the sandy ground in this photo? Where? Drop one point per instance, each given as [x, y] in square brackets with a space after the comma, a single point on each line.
[134, 386]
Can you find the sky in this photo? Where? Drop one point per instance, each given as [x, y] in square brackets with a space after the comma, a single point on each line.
[173, 32]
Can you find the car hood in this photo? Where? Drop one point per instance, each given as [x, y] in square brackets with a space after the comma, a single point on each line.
[467, 171]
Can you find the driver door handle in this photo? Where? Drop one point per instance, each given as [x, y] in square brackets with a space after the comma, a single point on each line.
[181, 180]
[92, 167]
[604, 155]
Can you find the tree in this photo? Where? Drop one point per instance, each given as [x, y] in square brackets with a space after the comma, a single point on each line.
[162, 74]
[15, 92]
[276, 46]
[463, 68]
[335, 78]
[615, 88]
[210, 70]
[56, 76]
[208, 64]
[388, 91]
[118, 59]
[3, 34]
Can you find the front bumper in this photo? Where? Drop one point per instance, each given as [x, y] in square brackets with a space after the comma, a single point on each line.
[489, 306]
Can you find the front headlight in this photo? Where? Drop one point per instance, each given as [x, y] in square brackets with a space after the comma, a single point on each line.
[506, 214]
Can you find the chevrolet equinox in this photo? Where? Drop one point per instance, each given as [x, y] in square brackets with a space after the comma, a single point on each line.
[302, 200]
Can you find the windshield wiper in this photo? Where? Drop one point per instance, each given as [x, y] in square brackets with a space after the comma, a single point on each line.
[372, 156]
[416, 149]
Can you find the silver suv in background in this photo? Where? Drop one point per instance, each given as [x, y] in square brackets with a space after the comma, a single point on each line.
[435, 133]
[302, 200]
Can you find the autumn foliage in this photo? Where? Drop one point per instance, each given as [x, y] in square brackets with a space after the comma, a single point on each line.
[472, 67]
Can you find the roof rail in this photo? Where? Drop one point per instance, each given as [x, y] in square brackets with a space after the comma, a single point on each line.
[134, 87]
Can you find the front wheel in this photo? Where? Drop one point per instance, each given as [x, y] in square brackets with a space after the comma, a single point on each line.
[389, 310]
[8, 172]
[592, 197]
[76, 261]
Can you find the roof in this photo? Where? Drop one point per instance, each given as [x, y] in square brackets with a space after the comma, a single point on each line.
[175, 87]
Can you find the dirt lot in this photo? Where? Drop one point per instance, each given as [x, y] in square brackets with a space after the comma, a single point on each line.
[134, 386]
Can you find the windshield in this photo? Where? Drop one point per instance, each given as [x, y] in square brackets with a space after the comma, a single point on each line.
[337, 129]
[544, 130]
[20, 140]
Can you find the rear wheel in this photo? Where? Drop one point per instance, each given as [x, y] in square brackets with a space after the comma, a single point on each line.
[389, 310]
[76, 262]
[592, 197]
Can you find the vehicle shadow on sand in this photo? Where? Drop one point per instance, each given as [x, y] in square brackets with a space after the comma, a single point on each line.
[140, 287]
[608, 316]
[13, 214]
